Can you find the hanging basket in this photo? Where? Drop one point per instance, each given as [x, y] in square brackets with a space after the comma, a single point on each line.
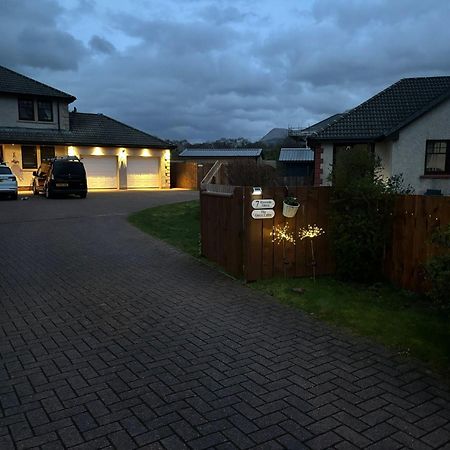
[289, 210]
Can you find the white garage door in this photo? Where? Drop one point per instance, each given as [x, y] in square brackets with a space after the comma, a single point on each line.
[101, 171]
[142, 172]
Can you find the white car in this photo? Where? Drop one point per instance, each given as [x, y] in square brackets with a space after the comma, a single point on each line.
[8, 182]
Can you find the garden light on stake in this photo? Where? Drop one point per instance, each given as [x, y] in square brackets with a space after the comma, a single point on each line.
[281, 235]
[310, 232]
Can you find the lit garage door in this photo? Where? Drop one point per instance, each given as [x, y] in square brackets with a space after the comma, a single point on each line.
[101, 171]
[142, 172]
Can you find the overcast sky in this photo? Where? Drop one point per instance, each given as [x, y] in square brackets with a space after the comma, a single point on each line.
[205, 69]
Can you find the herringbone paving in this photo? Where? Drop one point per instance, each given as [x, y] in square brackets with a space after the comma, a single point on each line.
[112, 339]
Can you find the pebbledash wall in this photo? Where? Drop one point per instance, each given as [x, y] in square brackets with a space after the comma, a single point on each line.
[406, 155]
[12, 155]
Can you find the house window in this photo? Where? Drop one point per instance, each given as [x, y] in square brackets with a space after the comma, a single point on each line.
[437, 159]
[45, 111]
[26, 109]
[29, 157]
[47, 152]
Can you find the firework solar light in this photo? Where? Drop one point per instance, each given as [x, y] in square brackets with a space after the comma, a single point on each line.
[311, 231]
[281, 234]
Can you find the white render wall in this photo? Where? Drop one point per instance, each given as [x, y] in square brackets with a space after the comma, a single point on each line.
[9, 115]
[122, 155]
[408, 152]
[327, 164]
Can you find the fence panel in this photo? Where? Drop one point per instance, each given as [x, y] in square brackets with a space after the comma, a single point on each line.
[415, 217]
[221, 229]
[264, 258]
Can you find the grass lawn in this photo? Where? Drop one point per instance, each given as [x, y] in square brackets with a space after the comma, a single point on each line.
[395, 318]
[177, 224]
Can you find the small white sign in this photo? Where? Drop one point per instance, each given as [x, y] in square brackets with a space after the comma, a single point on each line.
[263, 213]
[264, 203]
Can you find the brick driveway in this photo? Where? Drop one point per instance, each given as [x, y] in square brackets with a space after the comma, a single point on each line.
[110, 338]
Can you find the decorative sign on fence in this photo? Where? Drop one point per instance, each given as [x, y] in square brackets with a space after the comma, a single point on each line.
[263, 213]
[265, 203]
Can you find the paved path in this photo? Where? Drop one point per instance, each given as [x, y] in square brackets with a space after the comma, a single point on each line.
[112, 339]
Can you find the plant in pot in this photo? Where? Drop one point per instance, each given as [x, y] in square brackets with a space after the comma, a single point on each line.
[290, 206]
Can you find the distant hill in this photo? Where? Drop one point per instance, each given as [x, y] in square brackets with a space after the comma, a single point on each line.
[275, 135]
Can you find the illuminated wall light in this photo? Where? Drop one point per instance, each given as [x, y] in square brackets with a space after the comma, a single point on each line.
[98, 151]
[71, 151]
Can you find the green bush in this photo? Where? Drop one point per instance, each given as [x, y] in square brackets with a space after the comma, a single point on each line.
[361, 204]
[438, 268]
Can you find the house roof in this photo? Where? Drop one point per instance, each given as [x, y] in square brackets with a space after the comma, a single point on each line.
[387, 112]
[296, 155]
[98, 129]
[14, 83]
[220, 152]
[319, 126]
[85, 129]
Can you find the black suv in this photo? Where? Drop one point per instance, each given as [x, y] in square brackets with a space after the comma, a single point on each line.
[65, 175]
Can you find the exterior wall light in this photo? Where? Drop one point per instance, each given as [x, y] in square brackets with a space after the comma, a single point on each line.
[257, 191]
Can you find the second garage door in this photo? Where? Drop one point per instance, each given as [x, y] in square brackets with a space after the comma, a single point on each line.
[101, 172]
[142, 172]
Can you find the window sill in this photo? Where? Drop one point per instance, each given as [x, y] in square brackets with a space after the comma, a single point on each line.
[444, 176]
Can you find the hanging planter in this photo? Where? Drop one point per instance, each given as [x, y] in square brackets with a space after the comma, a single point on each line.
[290, 207]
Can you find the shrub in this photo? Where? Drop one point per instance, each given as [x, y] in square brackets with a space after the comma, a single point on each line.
[438, 268]
[361, 204]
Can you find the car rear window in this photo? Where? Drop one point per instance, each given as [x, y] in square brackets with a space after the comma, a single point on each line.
[65, 167]
[5, 171]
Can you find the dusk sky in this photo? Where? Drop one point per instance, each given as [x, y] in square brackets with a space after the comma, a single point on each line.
[204, 69]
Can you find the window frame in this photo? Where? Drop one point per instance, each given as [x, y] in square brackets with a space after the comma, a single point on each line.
[46, 148]
[446, 171]
[27, 166]
[39, 117]
[20, 110]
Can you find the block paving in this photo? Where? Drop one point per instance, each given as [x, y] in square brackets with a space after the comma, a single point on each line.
[112, 339]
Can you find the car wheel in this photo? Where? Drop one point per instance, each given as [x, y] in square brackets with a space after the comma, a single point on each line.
[48, 193]
[14, 196]
[83, 195]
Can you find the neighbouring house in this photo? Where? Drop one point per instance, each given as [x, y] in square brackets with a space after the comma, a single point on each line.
[197, 165]
[296, 166]
[35, 124]
[407, 125]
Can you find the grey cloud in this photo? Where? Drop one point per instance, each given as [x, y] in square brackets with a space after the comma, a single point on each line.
[51, 49]
[199, 69]
[101, 45]
[31, 36]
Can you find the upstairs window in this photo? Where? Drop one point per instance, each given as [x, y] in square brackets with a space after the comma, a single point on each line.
[45, 111]
[26, 109]
[29, 157]
[437, 159]
[47, 152]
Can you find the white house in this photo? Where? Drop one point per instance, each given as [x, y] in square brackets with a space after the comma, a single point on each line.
[407, 125]
[35, 124]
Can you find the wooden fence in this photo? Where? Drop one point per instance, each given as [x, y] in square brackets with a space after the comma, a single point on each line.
[415, 217]
[244, 246]
[187, 175]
